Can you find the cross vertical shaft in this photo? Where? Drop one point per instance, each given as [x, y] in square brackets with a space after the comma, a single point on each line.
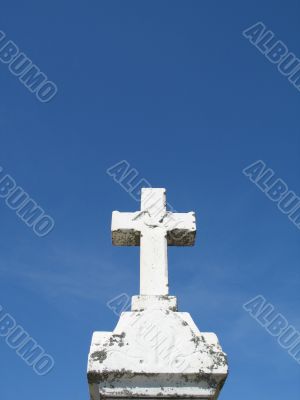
[153, 254]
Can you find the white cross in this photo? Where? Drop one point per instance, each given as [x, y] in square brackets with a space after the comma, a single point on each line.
[153, 229]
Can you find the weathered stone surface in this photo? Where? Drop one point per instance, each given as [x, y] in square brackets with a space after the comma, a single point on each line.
[143, 302]
[156, 353]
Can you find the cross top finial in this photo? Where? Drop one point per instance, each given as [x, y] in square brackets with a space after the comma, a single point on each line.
[153, 229]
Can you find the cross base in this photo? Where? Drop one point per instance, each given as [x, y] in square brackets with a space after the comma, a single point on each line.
[145, 302]
[156, 354]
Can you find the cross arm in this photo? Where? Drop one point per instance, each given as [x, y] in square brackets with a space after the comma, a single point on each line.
[181, 229]
[125, 229]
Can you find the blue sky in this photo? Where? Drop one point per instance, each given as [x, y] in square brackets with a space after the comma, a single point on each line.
[175, 89]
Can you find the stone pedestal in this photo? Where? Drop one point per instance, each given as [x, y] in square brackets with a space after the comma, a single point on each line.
[155, 353]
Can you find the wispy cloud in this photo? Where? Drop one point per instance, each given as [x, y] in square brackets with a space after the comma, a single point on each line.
[65, 276]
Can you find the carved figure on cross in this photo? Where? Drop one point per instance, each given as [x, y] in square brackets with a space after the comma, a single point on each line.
[153, 228]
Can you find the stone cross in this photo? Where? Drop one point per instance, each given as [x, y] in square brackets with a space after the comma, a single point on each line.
[155, 351]
[153, 229]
